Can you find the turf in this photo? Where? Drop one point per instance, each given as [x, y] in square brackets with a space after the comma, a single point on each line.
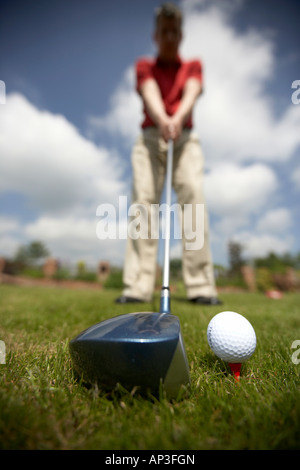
[43, 406]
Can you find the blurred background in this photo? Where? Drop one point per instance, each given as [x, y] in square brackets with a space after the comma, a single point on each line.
[71, 116]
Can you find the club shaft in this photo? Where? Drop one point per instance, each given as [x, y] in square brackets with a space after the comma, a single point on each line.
[165, 292]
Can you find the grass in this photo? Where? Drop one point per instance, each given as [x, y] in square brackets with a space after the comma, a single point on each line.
[44, 407]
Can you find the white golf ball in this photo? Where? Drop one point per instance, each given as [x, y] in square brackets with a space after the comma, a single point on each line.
[231, 337]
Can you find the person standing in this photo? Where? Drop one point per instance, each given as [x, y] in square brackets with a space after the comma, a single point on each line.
[169, 88]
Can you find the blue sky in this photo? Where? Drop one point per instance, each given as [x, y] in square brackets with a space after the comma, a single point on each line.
[72, 114]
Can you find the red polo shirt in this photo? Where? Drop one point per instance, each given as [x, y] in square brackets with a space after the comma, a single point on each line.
[171, 79]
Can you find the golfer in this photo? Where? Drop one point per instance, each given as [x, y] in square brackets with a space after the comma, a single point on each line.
[169, 88]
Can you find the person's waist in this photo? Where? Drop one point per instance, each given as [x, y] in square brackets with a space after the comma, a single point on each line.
[152, 134]
[152, 126]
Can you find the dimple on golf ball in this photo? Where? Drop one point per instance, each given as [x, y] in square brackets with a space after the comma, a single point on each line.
[231, 337]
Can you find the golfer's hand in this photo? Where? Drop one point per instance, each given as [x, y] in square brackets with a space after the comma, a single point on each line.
[170, 127]
[175, 127]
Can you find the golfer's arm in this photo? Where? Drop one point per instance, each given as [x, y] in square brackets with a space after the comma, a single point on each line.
[192, 90]
[151, 96]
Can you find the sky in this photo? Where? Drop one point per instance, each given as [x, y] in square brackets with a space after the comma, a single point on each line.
[69, 116]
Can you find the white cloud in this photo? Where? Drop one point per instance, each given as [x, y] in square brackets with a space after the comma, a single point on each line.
[9, 243]
[296, 178]
[62, 175]
[73, 238]
[275, 221]
[125, 114]
[8, 224]
[257, 245]
[235, 191]
[44, 157]
[271, 233]
[10, 230]
[235, 116]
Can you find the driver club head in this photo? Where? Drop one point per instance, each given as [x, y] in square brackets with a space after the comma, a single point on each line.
[143, 349]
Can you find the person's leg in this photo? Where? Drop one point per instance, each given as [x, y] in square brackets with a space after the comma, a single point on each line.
[197, 267]
[148, 164]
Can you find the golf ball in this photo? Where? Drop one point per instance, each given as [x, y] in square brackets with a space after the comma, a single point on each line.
[231, 337]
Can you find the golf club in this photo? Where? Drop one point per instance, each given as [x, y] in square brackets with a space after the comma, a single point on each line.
[142, 349]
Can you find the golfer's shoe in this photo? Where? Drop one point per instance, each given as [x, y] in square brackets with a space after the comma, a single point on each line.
[206, 300]
[124, 299]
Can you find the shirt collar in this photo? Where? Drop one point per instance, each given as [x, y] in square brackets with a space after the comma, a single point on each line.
[164, 63]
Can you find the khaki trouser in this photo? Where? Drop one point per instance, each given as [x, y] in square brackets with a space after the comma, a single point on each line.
[149, 157]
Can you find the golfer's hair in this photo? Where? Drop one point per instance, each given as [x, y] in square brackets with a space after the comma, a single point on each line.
[167, 10]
